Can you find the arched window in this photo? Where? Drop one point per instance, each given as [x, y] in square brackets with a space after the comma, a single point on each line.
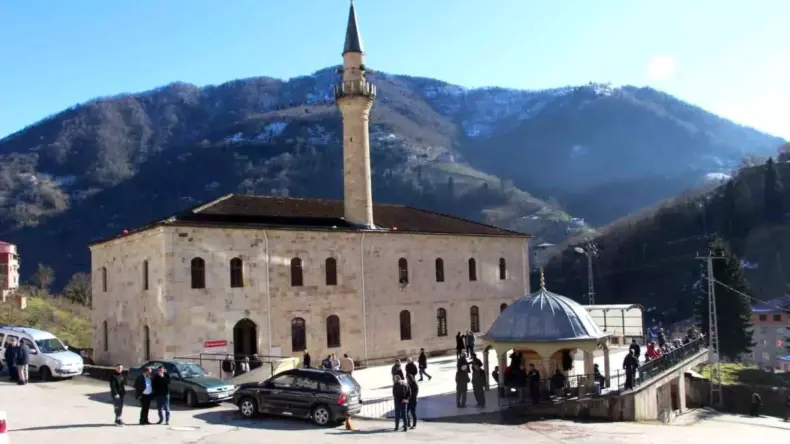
[332, 331]
[106, 335]
[405, 325]
[502, 307]
[331, 271]
[502, 269]
[236, 273]
[439, 270]
[298, 335]
[297, 279]
[104, 279]
[145, 275]
[472, 270]
[474, 319]
[147, 343]
[198, 270]
[441, 322]
[403, 271]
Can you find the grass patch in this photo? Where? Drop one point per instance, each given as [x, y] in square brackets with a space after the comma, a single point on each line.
[69, 321]
[734, 373]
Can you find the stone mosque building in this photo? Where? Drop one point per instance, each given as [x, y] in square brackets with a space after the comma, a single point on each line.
[279, 276]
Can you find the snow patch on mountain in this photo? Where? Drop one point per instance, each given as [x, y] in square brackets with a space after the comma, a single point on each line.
[717, 177]
[271, 130]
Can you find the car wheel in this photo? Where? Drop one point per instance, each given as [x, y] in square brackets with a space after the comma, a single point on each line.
[45, 374]
[248, 407]
[321, 415]
[191, 399]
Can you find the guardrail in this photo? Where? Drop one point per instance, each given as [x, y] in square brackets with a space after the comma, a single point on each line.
[666, 361]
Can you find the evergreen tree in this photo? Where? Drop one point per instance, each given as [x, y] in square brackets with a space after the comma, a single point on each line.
[737, 208]
[733, 309]
[774, 204]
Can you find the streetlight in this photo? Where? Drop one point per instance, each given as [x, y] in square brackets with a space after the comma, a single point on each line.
[589, 250]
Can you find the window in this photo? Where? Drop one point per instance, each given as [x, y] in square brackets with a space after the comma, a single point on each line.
[766, 356]
[236, 273]
[333, 331]
[330, 266]
[284, 381]
[104, 279]
[403, 271]
[472, 270]
[474, 319]
[147, 343]
[439, 270]
[305, 383]
[198, 270]
[502, 307]
[297, 279]
[405, 325]
[30, 346]
[106, 335]
[145, 275]
[777, 317]
[298, 335]
[762, 317]
[502, 269]
[441, 322]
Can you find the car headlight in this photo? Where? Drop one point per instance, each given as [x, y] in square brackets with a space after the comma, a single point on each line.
[212, 390]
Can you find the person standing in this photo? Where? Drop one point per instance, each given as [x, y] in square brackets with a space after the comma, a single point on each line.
[635, 349]
[459, 345]
[326, 364]
[411, 407]
[161, 391]
[346, 364]
[22, 362]
[400, 395]
[757, 402]
[478, 385]
[630, 364]
[397, 370]
[470, 343]
[411, 368]
[533, 377]
[335, 362]
[306, 360]
[9, 356]
[422, 362]
[143, 392]
[118, 393]
[461, 386]
[662, 338]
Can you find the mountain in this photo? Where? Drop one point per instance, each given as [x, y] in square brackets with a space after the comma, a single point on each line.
[507, 157]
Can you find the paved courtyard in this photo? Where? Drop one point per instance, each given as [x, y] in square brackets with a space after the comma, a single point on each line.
[78, 411]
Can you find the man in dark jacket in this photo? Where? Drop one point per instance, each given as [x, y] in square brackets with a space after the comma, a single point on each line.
[411, 368]
[635, 349]
[461, 386]
[9, 356]
[630, 364]
[414, 390]
[144, 391]
[422, 362]
[161, 388]
[533, 379]
[478, 385]
[400, 395]
[397, 370]
[22, 362]
[118, 393]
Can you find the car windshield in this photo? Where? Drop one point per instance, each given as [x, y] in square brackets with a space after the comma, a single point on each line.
[190, 370]
[52, 345]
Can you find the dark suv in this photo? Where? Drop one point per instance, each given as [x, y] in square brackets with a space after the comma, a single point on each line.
[327, 397]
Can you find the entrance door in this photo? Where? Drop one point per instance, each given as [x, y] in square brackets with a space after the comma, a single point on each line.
[245, 338]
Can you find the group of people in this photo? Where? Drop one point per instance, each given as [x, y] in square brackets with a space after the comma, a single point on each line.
[147, 388]
[17, 359]
[405, 389]
[464, 342]
[233, 366]
[331, 362]
[524, 378]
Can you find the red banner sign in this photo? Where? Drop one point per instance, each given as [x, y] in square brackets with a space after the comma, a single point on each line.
[215, 344]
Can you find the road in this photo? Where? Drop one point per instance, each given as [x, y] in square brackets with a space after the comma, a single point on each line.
[78, 411]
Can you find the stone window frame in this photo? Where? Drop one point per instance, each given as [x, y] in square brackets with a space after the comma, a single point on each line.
[472, 269]
[298, 334]
[103, 279]
[474, 319]
[403, 271]
[502, 269]
[106, 336]
[404, 319]
[502, 307]
[146, 343]
[197, 272]
[236, 269]
[439, 264]
[330, 271]
[145, 275]
[297, 272]
[333, 331]
[441, 322]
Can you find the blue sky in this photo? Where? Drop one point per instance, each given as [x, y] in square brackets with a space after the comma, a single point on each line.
[729, 56]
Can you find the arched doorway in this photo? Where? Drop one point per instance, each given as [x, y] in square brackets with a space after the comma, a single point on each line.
[245, 338]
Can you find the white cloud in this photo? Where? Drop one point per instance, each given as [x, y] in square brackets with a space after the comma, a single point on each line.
[660, 67]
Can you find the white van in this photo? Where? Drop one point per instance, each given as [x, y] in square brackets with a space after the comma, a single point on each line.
[49, 357]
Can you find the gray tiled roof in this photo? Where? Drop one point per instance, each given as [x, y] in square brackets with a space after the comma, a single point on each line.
[544, 317]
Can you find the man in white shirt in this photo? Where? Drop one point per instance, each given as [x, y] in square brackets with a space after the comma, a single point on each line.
[346, 364]
[144, 392]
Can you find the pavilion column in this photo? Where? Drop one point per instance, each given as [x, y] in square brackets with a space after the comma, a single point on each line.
[486, 367]
[502, 358]
[606, 370]
[546, 368]
[587, 379]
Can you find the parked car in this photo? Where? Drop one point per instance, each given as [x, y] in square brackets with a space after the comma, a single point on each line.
[4, 428]
[326, 397]
[188, 381]
[49, 357]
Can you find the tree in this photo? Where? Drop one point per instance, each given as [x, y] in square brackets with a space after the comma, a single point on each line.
[738, 208]
[774, 199]
[733, 309]
[79, 289]
[43, 277]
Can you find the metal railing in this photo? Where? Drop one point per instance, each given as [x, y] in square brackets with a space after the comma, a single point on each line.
[666, 361]
[524, 393]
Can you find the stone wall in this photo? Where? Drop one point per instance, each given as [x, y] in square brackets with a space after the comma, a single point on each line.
[181, 319]
[738, 398]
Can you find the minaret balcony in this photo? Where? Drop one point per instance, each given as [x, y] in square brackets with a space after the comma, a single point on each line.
[350, 88]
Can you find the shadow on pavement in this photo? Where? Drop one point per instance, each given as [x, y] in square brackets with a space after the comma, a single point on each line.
[363, 431]
[232, 418]
[62, 427]
[130, 401]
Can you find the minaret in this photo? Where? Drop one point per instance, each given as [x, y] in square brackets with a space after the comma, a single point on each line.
[355, 96]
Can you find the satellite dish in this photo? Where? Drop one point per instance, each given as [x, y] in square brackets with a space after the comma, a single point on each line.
[579, 250]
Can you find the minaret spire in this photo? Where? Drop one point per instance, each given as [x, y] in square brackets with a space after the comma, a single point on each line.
[353, 40]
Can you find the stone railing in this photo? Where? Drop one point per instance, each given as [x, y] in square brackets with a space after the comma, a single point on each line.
[355, 88]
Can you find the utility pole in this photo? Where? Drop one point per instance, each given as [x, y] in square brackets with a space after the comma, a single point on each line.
[713, 333]
[590, 250]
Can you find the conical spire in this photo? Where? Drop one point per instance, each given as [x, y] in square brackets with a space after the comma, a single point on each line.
[353, 40]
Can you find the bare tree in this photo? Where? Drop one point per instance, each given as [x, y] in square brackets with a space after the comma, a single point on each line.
[43, 277]
[79, 289]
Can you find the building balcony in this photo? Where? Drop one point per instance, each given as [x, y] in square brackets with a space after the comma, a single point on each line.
[350, 88]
